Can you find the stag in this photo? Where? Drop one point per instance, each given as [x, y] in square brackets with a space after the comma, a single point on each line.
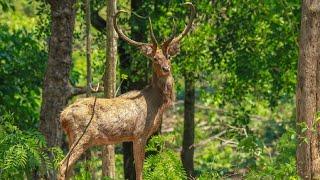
[133, 116]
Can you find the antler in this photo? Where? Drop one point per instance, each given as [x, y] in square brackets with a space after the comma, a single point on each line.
[121, 34]
[187, 28]
[126, 38]
[153, 37]
[166, 44]
[174, 39]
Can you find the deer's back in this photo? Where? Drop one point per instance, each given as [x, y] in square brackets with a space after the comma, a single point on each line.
[117, 119]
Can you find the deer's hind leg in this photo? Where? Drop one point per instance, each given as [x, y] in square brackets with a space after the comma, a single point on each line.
[76, 150]
[138, 154]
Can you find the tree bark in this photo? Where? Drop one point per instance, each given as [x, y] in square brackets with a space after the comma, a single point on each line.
[88, 47]
[308, 93]
[188, 131]
[56, 88]
[108, 156]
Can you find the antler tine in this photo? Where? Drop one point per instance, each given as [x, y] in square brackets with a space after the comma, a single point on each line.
[188, 27]
[121, 34]
[169, 40]
[153, 37]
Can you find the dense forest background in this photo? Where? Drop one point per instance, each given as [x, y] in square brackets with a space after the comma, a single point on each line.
[239, 65]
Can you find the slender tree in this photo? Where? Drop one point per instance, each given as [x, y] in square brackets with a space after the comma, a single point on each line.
[56, 88]
[188, 130]
[125, 63]
[88, 46]
[108, 156]
[138, 30]
[308, 92]
[89, 73]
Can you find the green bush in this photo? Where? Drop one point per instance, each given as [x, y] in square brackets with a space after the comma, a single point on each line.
[23, 152]
[280, 166]
[22, 65]
[164, 163]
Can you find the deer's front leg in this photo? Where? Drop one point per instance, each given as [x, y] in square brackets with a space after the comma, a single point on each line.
[138, 154]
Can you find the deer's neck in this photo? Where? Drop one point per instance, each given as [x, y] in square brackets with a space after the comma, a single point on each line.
[162, 87]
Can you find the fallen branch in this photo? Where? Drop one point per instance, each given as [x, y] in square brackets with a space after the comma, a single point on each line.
[238, 129]
[227, 141]
[208, 140]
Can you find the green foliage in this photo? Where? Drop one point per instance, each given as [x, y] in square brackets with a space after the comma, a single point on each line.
[22, 64]
[235, 151]
[214, 160]
[256, 46]
[42, 29]
[6, 5]
[165, 164]
[243, 54]
[21, 152]
[281, 166]
[83, 169]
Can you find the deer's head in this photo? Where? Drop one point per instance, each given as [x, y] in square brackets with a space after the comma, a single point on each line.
[160, 54]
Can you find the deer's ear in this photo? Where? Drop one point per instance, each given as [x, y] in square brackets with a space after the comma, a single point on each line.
[173, 49]
[148, 50]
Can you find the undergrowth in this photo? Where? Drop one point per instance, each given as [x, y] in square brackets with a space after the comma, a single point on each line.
[164, 163]
[23, 152]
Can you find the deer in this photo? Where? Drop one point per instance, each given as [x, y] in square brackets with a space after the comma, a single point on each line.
[133, 116]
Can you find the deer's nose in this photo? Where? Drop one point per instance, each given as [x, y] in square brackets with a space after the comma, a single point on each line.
[166, 69]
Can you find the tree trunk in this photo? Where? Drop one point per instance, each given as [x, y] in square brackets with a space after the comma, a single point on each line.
[88, 153]
[88, 46]
[138, 34]
[188, 131]
[308, 92]
[56, 88]
[108, 156]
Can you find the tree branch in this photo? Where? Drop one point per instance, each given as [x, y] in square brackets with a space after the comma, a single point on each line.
[75, 91]
[97, 21]
[209, 139]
